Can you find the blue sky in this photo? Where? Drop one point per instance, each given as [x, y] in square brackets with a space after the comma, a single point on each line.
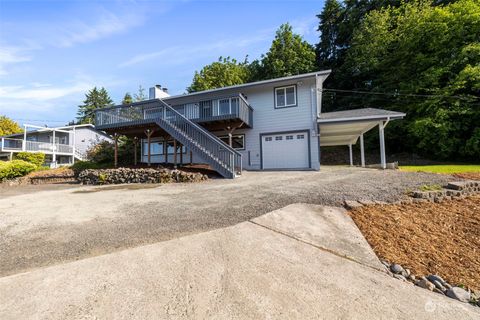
[52, 52]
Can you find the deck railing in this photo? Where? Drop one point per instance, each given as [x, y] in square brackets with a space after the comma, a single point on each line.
[234, 107]
[15, 145]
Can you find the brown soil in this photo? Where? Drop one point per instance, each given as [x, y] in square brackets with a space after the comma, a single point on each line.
[468, 175]
[59, 172]
[428, 238]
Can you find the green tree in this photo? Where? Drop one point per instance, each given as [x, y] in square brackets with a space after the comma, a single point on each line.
[94, 99]
[8, 126]
[430, 51]
[127, 99]
[140, 95]
[221, 73]
[328, 49]
[288, 55]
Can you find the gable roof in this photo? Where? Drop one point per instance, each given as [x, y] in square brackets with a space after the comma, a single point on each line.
[359, 115]
[252, 84]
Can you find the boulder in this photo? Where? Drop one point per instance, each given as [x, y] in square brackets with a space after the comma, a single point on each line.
[459, 294]
[424, 283]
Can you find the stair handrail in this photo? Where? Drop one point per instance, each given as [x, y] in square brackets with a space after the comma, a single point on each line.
[238, 156]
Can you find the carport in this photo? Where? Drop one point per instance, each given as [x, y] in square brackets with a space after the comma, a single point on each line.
[345, 128]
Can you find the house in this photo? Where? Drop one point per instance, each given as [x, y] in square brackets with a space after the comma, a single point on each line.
[274, 124]
[61, 145]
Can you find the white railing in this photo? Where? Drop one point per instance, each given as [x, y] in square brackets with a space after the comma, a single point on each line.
[8, 144]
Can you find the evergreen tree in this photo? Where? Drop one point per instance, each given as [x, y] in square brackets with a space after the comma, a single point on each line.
[328, 49]
[94, 99]
[140, 95]
[127, 99]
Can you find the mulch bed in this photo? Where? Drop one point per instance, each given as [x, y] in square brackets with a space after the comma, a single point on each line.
[428, 238]
[468, 175]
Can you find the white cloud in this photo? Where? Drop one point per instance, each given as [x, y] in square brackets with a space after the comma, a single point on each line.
[42, 93]
[11, 55]
[180, 54]
[104, 25]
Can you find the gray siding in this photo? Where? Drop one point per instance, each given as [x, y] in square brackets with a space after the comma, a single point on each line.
[268, 119]
[86, 137]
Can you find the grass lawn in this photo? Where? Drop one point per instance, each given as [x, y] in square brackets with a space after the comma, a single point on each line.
[444, 168]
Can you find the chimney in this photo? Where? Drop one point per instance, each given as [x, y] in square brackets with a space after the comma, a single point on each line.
[157, 92]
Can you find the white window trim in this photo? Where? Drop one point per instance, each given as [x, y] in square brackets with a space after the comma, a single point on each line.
[240, 134]
[285, 97]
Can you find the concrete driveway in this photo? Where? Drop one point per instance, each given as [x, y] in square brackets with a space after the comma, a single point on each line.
[301, 262]
[54, 226]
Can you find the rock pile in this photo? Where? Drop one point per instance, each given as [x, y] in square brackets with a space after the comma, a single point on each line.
[433, 283]
[455, 189]
[128, 175]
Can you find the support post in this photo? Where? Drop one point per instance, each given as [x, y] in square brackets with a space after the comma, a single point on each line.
[135, 143]
[73, 145]
[181, 153]
[115, 155]
[191, 157]
[149, 133]
[165, 148]
[383, 160]
[175, 153]
[351, 154]
[24, 142]
[362, 151]
[11, 156]
[54, 149]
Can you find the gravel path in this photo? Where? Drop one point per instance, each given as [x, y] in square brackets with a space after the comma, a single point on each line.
[54, 226]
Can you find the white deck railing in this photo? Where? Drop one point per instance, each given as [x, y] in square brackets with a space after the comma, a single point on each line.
[16, 145]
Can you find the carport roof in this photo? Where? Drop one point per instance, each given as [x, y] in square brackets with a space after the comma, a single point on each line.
[345, 127]
[365, 114]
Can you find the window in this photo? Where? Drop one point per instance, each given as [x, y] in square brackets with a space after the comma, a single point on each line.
[156, 148]
[300, 136]
[278, 138]
[268, 139]
[285, 97]
[238, 141]
[289, 137]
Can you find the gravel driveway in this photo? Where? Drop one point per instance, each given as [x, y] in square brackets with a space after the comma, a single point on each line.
[54, 226]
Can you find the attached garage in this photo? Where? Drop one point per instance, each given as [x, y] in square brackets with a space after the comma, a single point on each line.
[285, 150]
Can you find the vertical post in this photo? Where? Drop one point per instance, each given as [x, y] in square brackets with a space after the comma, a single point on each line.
[165, 148]
[181, 154]
[230, 140]
[3, 144]
[135, 143]
[362, 151]
[351, 154]
[54, 148]
[175, 153]
[73, 145]
[11, 156]
[24, 142]
[115, 155]
[191, 156]
[149, 152]
[383, 160]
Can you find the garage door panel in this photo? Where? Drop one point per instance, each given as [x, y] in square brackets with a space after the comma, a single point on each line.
[285, 151]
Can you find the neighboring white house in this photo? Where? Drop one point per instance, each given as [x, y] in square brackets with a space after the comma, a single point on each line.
[274, 124]
[61, 145]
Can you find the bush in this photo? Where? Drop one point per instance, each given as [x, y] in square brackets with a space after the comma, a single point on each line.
[15, 168]
[79, 166]
[37, 159]
[102, 152]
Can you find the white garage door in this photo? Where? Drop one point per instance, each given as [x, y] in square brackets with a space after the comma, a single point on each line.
[285, 151]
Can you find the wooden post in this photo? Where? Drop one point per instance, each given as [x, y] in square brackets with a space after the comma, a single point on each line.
[115, 155]
[191, 157]
[135, 142]
[362, 151]
[175, 153]
[383, 160]
[165, 148]
[149, 133]
[181, 154]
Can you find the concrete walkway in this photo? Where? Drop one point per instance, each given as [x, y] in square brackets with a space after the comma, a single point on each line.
[282, 265]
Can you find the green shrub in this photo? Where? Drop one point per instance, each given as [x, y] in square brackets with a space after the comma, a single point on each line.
[102, 152]
[15, 168]
[79, 166]
[37, 158]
